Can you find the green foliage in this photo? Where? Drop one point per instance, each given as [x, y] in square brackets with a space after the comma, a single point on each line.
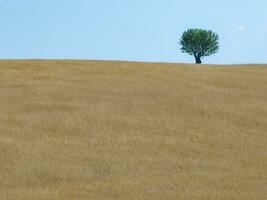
[199, 43]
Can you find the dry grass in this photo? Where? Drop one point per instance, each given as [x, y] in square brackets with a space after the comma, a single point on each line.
[77, 130]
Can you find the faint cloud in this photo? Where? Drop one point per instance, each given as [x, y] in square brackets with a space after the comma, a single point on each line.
[264, 31]
[242, 28]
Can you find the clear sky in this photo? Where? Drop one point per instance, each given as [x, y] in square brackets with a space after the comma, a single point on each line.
[135, 30]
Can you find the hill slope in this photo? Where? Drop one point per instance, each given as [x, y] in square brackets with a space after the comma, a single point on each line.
[126, 131]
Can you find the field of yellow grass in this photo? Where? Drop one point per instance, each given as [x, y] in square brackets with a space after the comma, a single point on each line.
[84, 130]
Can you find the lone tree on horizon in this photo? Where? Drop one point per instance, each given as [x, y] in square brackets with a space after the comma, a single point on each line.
[199, 43]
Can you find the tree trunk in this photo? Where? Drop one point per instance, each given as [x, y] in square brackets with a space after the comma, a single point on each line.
[198, 60]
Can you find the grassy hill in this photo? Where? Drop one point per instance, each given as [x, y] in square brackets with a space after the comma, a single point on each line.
[78, 130]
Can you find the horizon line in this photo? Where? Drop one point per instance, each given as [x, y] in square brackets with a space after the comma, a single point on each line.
[120, 60]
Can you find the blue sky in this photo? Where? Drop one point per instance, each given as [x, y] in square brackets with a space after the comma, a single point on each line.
[135, 30]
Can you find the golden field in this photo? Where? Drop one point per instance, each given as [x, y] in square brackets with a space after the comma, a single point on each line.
[85, 130]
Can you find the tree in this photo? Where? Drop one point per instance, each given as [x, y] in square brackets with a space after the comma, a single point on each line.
[199, 43]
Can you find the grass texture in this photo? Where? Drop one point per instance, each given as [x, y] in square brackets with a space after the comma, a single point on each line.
[91, 130]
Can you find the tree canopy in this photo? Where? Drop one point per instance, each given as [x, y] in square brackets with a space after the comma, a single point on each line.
[199, 43]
